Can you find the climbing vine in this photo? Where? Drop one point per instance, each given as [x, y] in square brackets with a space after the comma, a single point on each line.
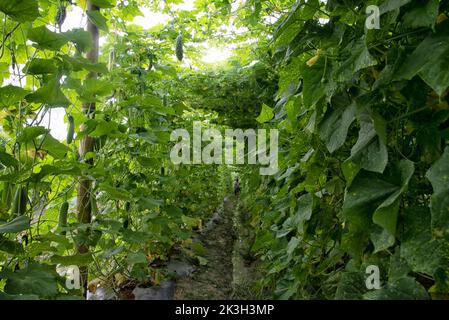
[363, 120]
[364, 115]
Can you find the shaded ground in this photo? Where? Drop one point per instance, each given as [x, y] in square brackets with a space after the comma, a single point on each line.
[230, 272]
[214, 280]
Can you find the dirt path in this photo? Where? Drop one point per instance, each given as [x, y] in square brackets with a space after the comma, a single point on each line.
[214, 280]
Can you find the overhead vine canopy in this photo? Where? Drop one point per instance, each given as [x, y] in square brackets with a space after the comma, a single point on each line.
[93, 89]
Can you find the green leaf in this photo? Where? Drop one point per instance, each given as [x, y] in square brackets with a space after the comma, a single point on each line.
[79, 63]
[365, 194]
[421, 252]
[266, 114]
[54, 171]
[81, 38]
[438, 176]
[149, 203]
[316, 81]
[370, 152]
[381, 239]
[386, 214]
[390, 5]
[41, 66]
[50, 94]
[374, 198]
[116, 193]
[303, 213]
[351, 286]
[10, 95]
[80, 259]
[46, 39]
[202, 261]
[7, 160]
[423, 14]
[429, 60]
[190, 222]
[16, 225]
[350, 171]
[152, 101]
[405, 288]
[290, 26]
[20, 10]
[334, 127]
[136, 257]
[135, 236]
[30, 133]
[36, 279]
[358, 58]
[104, 3]
[98, 19]
[12, 247]
[94, 88]
[53, 147]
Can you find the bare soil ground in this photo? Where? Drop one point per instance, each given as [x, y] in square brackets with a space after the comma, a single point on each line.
[214, 280]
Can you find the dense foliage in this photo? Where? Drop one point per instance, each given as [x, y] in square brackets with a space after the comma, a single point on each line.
[363, 117]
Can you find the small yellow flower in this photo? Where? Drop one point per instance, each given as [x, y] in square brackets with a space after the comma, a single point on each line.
[312, 61]
[442, 17]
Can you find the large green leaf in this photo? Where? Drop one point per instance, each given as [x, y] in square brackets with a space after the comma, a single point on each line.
[116, 193]
[36, 279]
[20, 10]
[376, 197]
[41, 66]
[79, 63]
[334, 128]
[266, 114]
[16, 225]
[136, 257]
[52, 170]
[7, 160]
[81, 38]
[104, 3]
[46, 39]
[424, 14]
[53, 147]
[370, 151]
[390, 5]
[438, 175]
[10, 95]
[290, 25]
[98, 19]
[12, 247]
[149, 203]
[30, 133]
[303, 213]
[92, 89]
[422, 253]
[386, 214]
[50, 94]
[316, 81]
[351, 286]
[357, 58]
[366, 193]
[405, 288]
[429, 60]
[80, 259]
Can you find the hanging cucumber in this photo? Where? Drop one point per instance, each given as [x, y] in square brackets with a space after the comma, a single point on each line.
[20, 201]
[179, 48]
[6, 195]
[63, 216]
[71, 131]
